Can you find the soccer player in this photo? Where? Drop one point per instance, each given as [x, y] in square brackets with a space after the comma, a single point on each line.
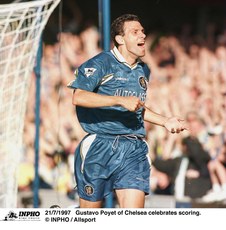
[109, 95]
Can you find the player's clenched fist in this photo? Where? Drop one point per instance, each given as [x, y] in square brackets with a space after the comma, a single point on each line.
[131, 103]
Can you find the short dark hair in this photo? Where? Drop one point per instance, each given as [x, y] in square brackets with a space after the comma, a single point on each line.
[117, 26]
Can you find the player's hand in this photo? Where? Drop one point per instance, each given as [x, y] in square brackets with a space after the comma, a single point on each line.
[131, 103]
[175, 125]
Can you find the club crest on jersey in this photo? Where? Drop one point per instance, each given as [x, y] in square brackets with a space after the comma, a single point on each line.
[142, 83]
[89, 190]
[89, 71]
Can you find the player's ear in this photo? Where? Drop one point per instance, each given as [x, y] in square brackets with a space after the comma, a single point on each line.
[119, 39]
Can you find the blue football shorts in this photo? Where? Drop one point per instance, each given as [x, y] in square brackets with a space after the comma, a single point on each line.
[104, 163]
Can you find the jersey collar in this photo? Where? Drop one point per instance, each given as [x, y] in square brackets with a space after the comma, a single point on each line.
[121, 59]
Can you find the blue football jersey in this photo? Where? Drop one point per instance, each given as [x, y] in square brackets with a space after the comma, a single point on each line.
[109, 74]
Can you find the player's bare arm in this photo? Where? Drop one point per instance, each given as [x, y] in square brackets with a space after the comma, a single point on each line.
[172, 124]
[93, 100]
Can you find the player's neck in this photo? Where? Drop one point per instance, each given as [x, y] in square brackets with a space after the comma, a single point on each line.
[128, 56]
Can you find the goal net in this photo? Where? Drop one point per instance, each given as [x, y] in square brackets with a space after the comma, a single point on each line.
[21, 26]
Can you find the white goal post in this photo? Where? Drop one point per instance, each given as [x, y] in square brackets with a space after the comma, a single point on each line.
[21, 26]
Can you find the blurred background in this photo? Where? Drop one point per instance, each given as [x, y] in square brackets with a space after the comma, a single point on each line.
[186, 52]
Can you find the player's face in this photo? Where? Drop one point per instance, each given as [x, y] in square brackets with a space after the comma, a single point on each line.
[134, 39]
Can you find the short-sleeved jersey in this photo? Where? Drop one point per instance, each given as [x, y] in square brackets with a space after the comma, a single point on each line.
[109, 74]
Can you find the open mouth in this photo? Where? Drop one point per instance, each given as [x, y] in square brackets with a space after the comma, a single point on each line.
[141, 44]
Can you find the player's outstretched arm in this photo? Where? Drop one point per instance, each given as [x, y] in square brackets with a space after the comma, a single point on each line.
[172, 124]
